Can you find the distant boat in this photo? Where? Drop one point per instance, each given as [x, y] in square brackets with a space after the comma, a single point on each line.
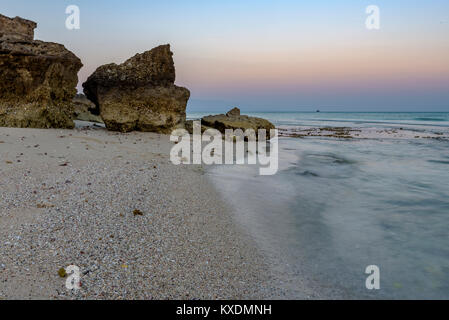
[318, 111]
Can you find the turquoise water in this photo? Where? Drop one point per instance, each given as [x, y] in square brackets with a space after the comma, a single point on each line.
[337, 206]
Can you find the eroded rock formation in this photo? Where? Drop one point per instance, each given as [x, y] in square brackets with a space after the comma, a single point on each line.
[232, 120]
[16, 29]
[139, 94]
[37, 79]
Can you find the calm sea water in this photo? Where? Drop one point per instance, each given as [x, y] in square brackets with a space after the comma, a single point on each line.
[337, 206]
[363, 119]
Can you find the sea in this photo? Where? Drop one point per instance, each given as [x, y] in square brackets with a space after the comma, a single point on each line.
[339, 206]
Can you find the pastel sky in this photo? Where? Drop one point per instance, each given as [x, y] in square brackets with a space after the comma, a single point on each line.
[265, 55]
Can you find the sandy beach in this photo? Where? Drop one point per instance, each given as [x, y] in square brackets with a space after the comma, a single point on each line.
[224, 156]
[69, 197]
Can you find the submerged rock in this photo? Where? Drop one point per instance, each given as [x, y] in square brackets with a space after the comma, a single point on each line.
[139, 94]
[37, 79]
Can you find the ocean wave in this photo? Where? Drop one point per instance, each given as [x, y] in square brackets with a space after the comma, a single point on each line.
[409, 122]
[429, 119]
[438, 161]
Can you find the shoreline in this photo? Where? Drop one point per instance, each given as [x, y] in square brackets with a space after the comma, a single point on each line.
[334, 201]
[247, 194]
[68, 197]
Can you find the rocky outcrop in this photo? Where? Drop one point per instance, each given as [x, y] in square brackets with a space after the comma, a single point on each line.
[140, 93]
[37, 79]
[16, 29]
[233, 113]
[85, 110]
[232, 120]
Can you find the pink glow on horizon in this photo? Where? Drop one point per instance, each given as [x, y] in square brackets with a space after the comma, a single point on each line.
[318, 68]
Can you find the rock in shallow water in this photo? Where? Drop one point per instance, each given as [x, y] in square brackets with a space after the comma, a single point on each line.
[37, 79]
[139, 94]
[232, 120]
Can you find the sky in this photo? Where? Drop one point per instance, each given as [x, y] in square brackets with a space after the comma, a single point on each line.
[277, 55]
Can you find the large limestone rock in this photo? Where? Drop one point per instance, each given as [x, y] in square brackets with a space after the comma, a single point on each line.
[140, 93]
[37, 79]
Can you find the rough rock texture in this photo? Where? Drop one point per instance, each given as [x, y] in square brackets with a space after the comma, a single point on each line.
[16, 29]
[232, 120]
[37, 79]
[233, 113]
[140, 93]
[85, 110]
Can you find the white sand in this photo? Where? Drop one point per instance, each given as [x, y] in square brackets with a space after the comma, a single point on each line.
[67, 198]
